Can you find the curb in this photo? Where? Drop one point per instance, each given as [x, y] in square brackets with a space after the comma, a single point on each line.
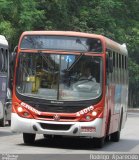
[135, 110]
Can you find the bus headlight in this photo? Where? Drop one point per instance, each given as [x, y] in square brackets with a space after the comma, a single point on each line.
[20, 109]
[22, 112]
[92, 115]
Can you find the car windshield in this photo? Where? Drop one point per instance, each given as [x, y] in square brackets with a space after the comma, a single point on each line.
[63, 77]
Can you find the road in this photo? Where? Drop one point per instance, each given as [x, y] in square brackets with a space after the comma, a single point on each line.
[12, 143]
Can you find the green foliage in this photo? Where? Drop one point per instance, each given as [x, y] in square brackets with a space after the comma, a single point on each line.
[6, 29]
[134, 74]
[18, 16]
[30, 17]
[116, 19]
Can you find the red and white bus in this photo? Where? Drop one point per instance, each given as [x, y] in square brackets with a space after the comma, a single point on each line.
[69, 84]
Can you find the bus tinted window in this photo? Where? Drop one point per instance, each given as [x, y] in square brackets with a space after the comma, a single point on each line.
[59, 76]
[65, 43]
[1, 60]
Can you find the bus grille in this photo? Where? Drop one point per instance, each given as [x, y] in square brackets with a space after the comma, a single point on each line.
[63, 118]
[57, 109]
[55, 126]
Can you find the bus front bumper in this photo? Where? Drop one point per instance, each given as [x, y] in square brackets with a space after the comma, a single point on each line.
[88, 129]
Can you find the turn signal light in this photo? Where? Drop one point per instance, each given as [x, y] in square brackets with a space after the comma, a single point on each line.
[92, 115]
[97, 112]
[23, 112]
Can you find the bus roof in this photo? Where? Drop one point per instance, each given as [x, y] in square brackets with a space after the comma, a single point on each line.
[110, 44]
[64, 33]
[3, 40]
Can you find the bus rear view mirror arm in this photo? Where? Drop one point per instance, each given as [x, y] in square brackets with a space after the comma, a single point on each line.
[13, 55]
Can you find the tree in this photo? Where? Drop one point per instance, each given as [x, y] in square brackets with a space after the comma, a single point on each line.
[118, 20]
[18, 16]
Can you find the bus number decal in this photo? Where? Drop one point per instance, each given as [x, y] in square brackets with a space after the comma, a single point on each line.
[30, 108]
[84, 111]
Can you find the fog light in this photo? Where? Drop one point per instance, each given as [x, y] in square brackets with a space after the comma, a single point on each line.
[88, 118]
[20, 109]
[94, 113]
[26, 114]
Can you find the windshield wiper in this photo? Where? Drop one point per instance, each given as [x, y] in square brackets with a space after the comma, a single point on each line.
[46, 60]
[76, 60]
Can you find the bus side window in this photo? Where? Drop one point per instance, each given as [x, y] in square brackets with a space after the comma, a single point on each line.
[6, 60]
[1, 60]
[109, 62]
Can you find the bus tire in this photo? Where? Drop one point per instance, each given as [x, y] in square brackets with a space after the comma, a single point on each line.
[29, 138]
[3, 119]
[9, 122]
[98, 142]
[2, 122]
[107, 137]
[115, 137]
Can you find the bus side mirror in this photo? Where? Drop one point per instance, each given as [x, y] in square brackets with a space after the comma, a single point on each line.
[13, 56]
[109, 64]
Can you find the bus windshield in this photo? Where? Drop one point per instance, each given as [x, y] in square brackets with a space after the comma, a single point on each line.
[63, 77]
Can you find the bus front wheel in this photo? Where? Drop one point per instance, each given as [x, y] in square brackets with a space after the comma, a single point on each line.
[29, 138]
[115, 137]
[2, 122]
[98, 142]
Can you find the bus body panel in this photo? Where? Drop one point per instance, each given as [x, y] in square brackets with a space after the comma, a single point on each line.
[3, 93]
[1, 110]
[117, 96]
[5, 100]
[24, 125]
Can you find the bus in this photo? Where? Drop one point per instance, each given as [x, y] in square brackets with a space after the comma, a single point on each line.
[5, 92]
[69, 84]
